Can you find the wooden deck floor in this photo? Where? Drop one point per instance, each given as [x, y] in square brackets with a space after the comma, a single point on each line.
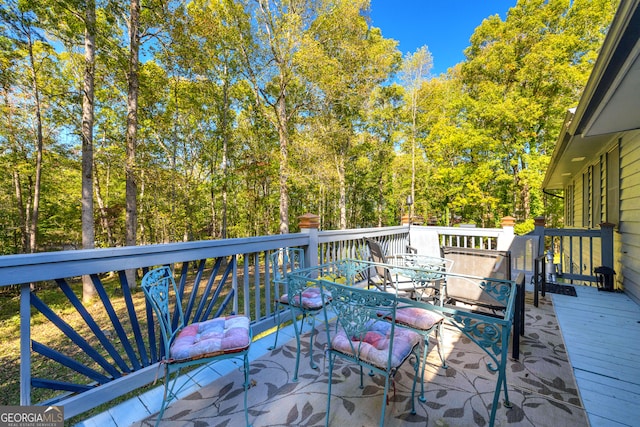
[602, 334]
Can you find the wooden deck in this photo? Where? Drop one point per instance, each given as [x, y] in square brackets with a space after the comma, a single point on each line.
[602, 334]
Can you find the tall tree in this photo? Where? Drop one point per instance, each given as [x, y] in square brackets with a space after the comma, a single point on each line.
[132, 122]
[88, 229]
[521, 74]
[22, 30]
[384, 121]
[210, 52]
[272, 69]
[415, 69]
[346, 60]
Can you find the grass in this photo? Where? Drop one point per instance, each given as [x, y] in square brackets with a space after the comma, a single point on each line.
[43, 331]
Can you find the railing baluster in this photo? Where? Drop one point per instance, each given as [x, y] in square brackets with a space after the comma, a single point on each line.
[25, 344]
[247, 260]
[269, 291]
[256, 283]
[77, 339]
[88, 319]
[196, 285]
[137, 333]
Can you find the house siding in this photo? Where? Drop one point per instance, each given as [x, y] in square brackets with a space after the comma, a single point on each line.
[578, 201]
[580, 256]
[628, 234]
[589, 203]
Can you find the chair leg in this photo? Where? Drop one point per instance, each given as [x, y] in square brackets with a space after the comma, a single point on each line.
[246, 388]
[313, 330]
[295, 328]
[507, 402]
[413, 388]
[440, 336]
[167, 394]
[278, 308]
[330, 378]
[425, 351]
[496, 396]
[384, 400]
[174, 394]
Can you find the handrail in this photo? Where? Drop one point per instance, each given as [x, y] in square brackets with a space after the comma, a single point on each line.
[469, 237]
[580, 251]
[27, 268]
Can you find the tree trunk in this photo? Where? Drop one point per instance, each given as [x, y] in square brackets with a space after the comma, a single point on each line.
[380, 207]
[32, 225]
[11, 138]
[88, 227]
[225, 149]
[342, 182]
[102, 209]
[281, 111]
[414, 114]
[132, 127]
[21, 212]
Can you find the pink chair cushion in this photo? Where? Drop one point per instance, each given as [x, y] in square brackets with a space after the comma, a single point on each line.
[311, 299]
[216, 336]
[374, 347]
[418, 318]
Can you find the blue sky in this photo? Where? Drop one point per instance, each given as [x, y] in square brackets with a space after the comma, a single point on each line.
[445, 26]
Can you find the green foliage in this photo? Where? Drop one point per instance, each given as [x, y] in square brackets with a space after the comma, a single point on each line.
[524, 227]
[246, 105]
[499, 126]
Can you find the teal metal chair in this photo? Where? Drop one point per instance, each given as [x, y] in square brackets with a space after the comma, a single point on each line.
[305, 301]
[410, 275]
[364, 332]
[198, 343]
[423, 281]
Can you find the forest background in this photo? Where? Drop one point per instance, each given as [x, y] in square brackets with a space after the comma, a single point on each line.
[150, 121]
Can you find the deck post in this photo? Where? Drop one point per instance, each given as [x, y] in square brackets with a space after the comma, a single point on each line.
[25, 344]
[539, 231]
[309, 223]
[506, 237]
[606, 240]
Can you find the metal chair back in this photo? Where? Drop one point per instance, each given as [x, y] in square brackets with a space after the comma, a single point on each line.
[363, 331]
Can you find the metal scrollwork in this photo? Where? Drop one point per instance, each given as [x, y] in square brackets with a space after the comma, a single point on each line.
[358, 310]
[488, 336]
[498, 290]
